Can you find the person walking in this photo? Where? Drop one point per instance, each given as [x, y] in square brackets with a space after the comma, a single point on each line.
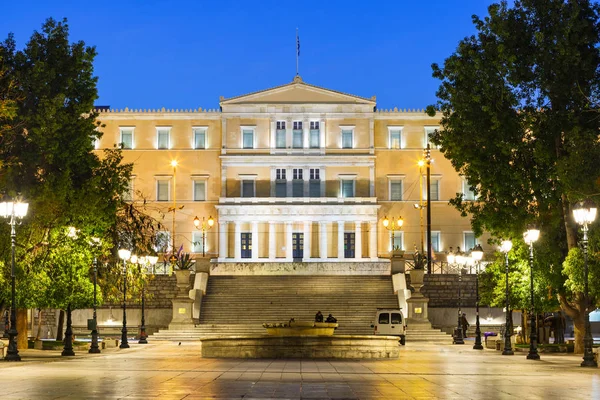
[464, 323]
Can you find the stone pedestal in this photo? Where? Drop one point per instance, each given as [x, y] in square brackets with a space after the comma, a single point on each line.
[183, 305]
[397, 262]
[417, 304]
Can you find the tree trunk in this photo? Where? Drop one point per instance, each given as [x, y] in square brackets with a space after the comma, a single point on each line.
[22, 329]
[61, 323]
[579, 324]
[39, 327]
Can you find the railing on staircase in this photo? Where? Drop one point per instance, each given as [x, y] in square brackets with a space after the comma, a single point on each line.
[443, 267]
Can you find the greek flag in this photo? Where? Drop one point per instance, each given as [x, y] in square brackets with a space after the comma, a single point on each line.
[298, 44]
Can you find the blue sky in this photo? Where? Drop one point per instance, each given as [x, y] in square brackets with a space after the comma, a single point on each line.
[185, 54]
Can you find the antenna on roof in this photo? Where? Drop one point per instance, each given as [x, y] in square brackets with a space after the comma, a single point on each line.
[297, 50]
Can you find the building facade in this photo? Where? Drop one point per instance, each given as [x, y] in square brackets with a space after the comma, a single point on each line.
[295, 173]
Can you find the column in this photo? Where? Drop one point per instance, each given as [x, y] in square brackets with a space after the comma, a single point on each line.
[255, 240]
[223, 181]
[322, 134]
[223, 253]
[372, 181]
[288, 242]
[272, 143]
[340, 240]
[305, 133]
[307, 239]
[373, 240]
[272, 244]
[224, 136]
[237, 239]
[323, 240]
[358, 240]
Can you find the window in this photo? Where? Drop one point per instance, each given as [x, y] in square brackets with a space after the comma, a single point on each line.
[314, 185]
[384, 318]
[429, 130]
[347, 188]
[162, 190]
[128, 193]
[396, 190]
[126, 138]
[297, 135]
[280, 183]
[200, 190]
[199, 138]
[247, 137]
[162, 242]
[95, 141]
[347, 138]
[395, 138]
[297, 183]
[162, 138]
[396, 318]
[397, 243]
[315, 139]
[469, 240]
[434, 187]
[435, 241]
[468, 194]
[248, 188]
[280, 135]
[197, 242]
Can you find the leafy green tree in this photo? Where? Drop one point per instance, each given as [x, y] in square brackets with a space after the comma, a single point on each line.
[519, 103]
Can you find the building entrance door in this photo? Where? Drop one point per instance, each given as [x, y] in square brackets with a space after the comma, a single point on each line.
[348, 245]
[298, 245]
[246, 244]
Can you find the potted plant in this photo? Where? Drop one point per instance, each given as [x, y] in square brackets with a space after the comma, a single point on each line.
[182, 264]
[397, 251]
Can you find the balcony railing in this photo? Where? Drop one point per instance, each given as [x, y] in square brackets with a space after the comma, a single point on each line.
[301, 200]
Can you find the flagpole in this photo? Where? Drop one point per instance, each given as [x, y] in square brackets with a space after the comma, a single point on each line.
[297, 50]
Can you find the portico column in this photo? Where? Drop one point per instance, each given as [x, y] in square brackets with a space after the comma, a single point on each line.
[373, 240]
[340, 240]
[272, 244]
[255, 240]
[237, 239]
[223, 253]
[288, 241]
[358, 240]
[307, 239]
[323, 241]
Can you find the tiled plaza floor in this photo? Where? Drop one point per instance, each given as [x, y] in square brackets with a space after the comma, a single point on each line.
[169, 371]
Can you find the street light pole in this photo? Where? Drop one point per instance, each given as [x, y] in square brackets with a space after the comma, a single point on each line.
[429, 247]
[530, 237]
[94, 348]
[585, 214]
[508, 351]
[204, 226]
[477, 254]
[14, 211]
[124, 255]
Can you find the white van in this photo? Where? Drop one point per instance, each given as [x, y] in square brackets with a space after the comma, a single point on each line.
[390, 322]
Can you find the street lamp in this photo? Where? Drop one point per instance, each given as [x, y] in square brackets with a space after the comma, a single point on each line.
[203, 226]
[427, 156]
[94, 348]
[477, 254]
[457, 259]
[585, 213]
[124, 255]
[531, 236]
[508, 351]
[394, 225]
[15, 211]
[174, 165]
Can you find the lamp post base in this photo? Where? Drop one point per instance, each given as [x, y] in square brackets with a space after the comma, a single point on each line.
[458, 337]
[94, 349]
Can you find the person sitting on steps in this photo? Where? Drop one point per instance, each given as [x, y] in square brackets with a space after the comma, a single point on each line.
[331, 319]
[319, 317]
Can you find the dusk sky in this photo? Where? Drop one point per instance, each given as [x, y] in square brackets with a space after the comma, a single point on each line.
[185, 54]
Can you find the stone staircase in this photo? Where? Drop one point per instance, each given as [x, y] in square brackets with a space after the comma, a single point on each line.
[239, 305]
[422, 331]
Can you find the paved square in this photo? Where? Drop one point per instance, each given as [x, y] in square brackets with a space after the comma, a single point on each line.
[169, 371]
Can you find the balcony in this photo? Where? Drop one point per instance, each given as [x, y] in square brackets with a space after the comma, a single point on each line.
[298, 200]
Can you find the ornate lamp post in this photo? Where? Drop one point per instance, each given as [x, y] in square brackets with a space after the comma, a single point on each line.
[144, 261]
[457, 259]
[124, 255]
[15, 211]
[585, 213]
[204, 226]
[477, 254]
[394, 225]
[508, 351]
[427, 156]
[174, 208]
[94, 348]
[531, 236]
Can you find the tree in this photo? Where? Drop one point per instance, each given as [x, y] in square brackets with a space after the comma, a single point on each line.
[519, 103]
[48, 157]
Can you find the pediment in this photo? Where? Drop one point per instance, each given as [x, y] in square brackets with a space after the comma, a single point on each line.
[298, 92]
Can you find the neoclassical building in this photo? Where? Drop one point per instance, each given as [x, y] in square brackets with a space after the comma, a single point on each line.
[294, 173]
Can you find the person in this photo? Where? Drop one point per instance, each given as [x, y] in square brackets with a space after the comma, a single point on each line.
[464, 323]
[319, 317]
[331, 319]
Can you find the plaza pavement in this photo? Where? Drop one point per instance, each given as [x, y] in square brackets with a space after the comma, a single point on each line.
[172, 371]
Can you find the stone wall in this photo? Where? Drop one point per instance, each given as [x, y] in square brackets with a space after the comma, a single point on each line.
[442, 290]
